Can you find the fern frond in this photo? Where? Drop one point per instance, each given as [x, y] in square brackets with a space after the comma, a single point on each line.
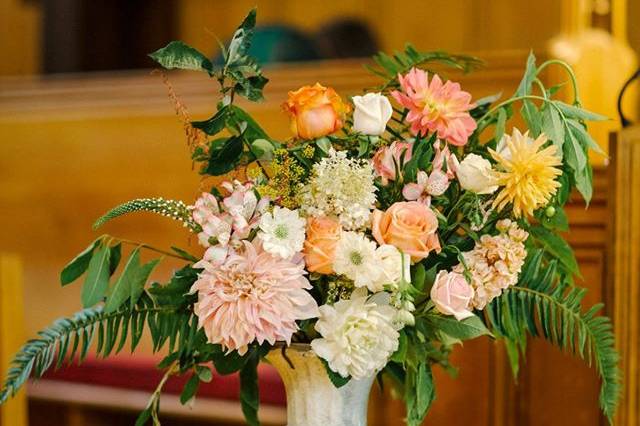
[543, 305]
[67, 338]
[173, 209]
[389, 66]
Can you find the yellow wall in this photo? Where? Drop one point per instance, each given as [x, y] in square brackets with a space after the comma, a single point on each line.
[19, 37]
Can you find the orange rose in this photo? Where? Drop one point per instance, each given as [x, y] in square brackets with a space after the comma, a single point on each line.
[410, 226]
[315, 111]
[320, 246]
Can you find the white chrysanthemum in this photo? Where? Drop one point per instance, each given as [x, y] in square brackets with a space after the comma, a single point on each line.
[355, 258]
[358, 336]
[394, 266]
[341, 187]
[282, 232]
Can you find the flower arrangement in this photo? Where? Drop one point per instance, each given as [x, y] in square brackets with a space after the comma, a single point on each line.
[389, 228]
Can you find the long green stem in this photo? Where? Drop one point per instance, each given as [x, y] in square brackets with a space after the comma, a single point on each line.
[148, 247]
[567, 67]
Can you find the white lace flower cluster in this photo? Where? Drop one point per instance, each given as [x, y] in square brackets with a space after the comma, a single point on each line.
[358, 335]
[341, 187]
[495, 262]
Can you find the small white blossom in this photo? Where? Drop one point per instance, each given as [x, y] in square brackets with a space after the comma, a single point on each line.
[282, 232]
[355, 258]
[358, 335]
[341, 187]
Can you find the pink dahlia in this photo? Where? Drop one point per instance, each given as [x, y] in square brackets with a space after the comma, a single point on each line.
[252, 296]
[436, 106]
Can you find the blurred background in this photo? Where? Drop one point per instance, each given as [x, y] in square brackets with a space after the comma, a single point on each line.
[86, 125]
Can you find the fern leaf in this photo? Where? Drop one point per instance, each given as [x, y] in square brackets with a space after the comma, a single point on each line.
[543, 305]
[69, 337]
[173, 209]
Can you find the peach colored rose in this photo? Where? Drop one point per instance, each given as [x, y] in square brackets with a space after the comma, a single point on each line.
[389, 158]
[320, 246]
[410, 226]
[452, 295]
[315, 111]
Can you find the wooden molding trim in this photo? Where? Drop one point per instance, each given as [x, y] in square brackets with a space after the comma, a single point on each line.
[623, 292]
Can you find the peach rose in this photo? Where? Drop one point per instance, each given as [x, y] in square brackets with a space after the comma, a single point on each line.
[452, 295]
[315, 111]
[320, 246]
[410, 226]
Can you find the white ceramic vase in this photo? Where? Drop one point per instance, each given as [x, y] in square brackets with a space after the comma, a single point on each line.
[312, 400]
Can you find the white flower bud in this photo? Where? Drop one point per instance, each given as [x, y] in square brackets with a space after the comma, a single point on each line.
[372, 112]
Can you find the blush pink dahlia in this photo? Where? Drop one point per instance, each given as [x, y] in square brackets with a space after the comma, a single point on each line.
[436, 106]
[252, 296]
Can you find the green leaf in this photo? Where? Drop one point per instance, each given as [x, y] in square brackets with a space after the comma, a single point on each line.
[580, 133]
[552, 127]
[184, 254]
[532, 117]
[225, 154]
[181, 56]
[121, 290]
[215, 124]
[524, 88]
[251, 130]
[139, 280]
[97, 280]
[574, 153]
[578, 113]
[249, 392]
[401, 353]
[425, 390]
[114, 258]
[468, 328]
[337, 380]
[584, 183]
[144, 417]
[241, 40]
[500, 124]
[262, 149]
[324, 144]
[557, 247]
[204, 373]
[190, 389]
[79, 264]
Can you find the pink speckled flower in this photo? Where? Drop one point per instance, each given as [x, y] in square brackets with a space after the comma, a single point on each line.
[390, 158]
[252, 296]
[436, 106]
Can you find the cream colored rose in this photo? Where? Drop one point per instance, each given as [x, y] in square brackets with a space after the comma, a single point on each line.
[452, 295]
[475, 174]
[371, 114]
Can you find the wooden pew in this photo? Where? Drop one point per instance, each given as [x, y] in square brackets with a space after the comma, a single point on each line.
[74, 147]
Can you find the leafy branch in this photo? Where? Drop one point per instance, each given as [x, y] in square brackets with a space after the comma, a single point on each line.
[389, 66]
[544, 305]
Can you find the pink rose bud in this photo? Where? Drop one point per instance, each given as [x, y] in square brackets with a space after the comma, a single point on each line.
[452, 295]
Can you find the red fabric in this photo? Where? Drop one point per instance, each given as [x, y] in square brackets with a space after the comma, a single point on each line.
[140, 373]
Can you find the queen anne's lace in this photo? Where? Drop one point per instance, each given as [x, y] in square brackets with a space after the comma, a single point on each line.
[341, 187]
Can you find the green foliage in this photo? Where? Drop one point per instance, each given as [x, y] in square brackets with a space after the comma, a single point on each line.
[74, 269]
[177, 55]
[173, 209]
[97, 279]
[401, 62]
[336, 379]
[557, 247]
[249, 392]
[544, 304]
[130, 284]
[420, 393]
[466, 329]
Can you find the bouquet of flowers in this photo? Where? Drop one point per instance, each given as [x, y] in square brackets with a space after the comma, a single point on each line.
[390, 227]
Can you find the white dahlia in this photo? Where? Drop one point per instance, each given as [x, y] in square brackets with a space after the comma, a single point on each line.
[355, 258]
[358, 336]
[282, 232]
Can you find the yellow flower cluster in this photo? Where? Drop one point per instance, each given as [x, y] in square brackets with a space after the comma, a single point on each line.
[284, 182]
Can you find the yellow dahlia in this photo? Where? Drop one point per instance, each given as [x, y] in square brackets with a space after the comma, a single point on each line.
[526, 173]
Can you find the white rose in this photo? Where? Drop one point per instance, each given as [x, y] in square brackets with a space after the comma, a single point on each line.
[394, 266]
[474, 174]
[371, 114]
